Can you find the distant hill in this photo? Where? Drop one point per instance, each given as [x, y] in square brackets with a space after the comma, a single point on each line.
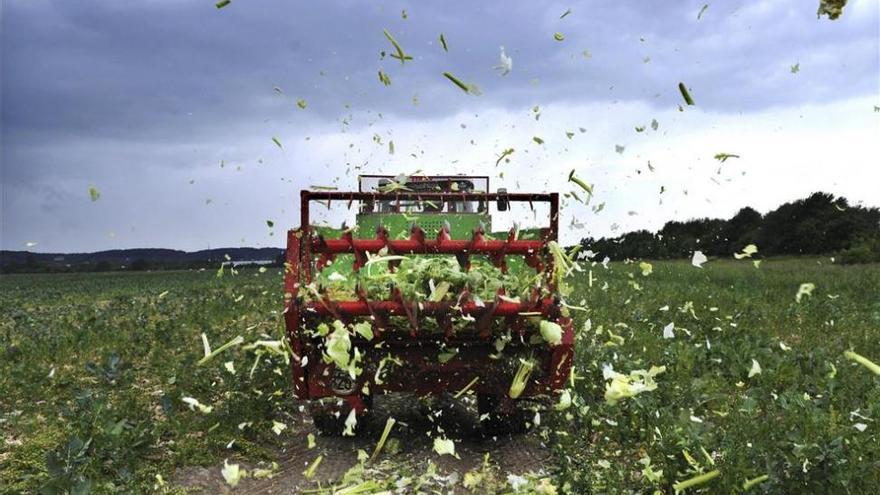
[133, 259]
[818, 224]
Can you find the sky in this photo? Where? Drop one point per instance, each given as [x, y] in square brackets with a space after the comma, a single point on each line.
[169, 108]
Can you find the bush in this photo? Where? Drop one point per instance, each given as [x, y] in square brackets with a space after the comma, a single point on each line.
[862, 251]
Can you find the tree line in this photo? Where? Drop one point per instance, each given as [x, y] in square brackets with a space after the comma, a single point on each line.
[818, 224]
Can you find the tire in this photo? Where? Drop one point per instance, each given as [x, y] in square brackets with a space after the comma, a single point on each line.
[499, 422]
[329, 424]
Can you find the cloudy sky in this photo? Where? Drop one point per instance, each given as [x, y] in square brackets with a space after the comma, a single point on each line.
[169, 107]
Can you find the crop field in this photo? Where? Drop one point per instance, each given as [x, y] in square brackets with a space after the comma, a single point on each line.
[746, 387]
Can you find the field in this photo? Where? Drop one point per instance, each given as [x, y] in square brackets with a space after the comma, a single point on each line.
[757, 395]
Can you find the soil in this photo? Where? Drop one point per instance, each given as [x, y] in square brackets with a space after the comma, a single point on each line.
[417, 424]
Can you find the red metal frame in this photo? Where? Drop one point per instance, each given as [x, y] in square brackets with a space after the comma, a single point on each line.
[422, 375]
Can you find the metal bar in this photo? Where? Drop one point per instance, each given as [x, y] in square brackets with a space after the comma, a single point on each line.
[472, 196]
[361, 308]
[554, 216]
[428, 246]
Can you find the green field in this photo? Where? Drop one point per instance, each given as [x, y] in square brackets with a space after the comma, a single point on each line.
[93, 369]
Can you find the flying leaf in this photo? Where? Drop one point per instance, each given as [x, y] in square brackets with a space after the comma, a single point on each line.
[805, 289]
[748, 484]
[551, 332]
[564, 401]
[832, 8]
[796, 68]
[222, 3]
[755, 369]
[231, 472]
[654, 124]
[722, 157]
[646, 268]
[277, 142]
[747, 252]
[443, 43]
[94, 193]
[558, 36]
[702, 10]
[278, 427]
[505, 63]
[538, 140]
[234, 342]
[620, 149]
[867, 363]
[521, 378]
[388, 425]
[301, 103]
[444, 446]
[461, 85]
[685, 94]
[583, 185]
[400, 55]
[504, 156]
[270, 223]
[385, 78]
[310, 471]
[194, 403]
[350, 424]
[695, 481]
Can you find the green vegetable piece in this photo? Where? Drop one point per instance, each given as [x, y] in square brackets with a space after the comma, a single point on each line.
[748, 484]
[796, 68]
[464, 87]
[538, 140]
[867, 363]
[310, 471]
[583, 185]
[558, 36]
[685, 94]
[832, 8]
[568, 11]
[551, 332]
[443, 43]
[504, 156]
[695, 481]
[234, 342]
[400, 55]
[301, 103]
[222, 3]
[702, 10]
[94, 193]
[521, 378]
[385, 78]
[387, 431]
[722, 157]
[277, 142]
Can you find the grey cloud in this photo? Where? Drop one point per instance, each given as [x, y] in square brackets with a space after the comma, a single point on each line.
[135, 94]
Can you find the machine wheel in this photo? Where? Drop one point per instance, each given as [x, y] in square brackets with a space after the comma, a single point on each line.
[504, 419]
[329, 424]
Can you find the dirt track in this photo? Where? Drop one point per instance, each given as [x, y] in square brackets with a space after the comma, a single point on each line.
[512, 454]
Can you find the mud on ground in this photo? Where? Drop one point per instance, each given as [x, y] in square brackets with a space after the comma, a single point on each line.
[415, 428]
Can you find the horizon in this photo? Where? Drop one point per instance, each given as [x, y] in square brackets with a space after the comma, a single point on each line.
[282, 247]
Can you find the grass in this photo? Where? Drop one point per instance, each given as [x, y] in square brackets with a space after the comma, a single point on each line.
[94, 368]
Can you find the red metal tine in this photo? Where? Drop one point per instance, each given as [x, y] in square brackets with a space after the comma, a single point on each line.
[378, 320]
[444, 321]
[410, 312]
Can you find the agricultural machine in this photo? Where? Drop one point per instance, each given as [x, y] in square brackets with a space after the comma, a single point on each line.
[432, 346]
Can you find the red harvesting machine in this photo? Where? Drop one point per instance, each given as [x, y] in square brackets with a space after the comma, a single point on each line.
[423, 216]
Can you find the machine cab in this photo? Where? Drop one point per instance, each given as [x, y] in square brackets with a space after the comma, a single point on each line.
[398, 215]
